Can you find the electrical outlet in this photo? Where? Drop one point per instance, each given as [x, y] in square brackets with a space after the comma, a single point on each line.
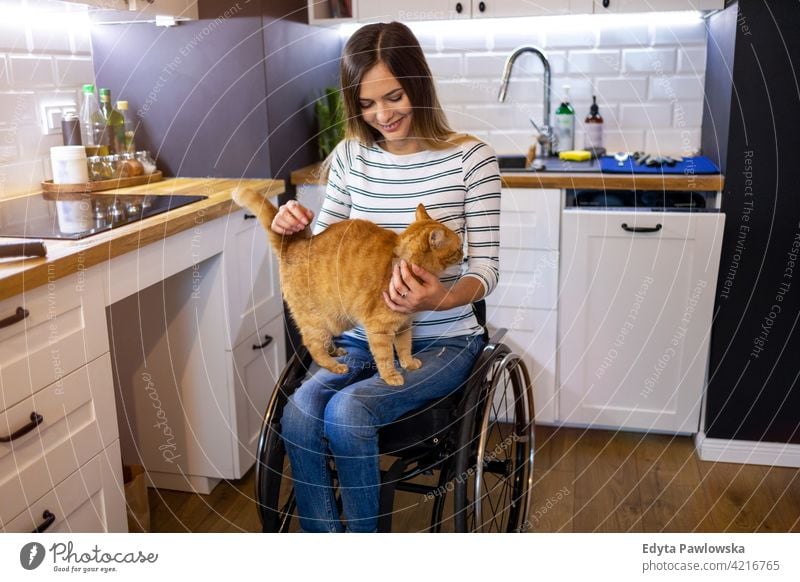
[52, 115]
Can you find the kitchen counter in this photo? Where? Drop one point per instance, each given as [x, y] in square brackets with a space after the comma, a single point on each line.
[67, 257]
[712, 183]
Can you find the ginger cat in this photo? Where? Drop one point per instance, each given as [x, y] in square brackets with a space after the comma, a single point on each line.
[334, 281]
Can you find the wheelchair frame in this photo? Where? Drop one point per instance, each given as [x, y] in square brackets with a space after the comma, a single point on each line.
[453, 449]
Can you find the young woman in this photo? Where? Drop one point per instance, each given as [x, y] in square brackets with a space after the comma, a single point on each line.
[399, 151]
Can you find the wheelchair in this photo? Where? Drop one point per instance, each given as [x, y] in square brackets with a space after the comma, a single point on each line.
[479, 440]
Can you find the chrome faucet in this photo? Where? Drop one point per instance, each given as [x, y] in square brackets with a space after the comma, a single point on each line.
[545, 130]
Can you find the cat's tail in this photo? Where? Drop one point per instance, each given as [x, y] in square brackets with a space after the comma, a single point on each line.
[264, 210]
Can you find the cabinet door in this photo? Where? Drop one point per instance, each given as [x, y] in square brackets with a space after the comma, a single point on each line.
[252, 281]
[91, 500]
[602, 6]
[529, 218]
[184, 9]
[508, 8]
[257, 362]
[635, 316]
[413, 10]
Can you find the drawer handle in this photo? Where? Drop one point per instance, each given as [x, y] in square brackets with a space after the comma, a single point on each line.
[19, 315]
[36, 420]
[655, 228]
[49, 518]
[248, 216]
[267, 341]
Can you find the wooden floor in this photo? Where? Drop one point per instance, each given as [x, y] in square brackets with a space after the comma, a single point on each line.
[585, 481]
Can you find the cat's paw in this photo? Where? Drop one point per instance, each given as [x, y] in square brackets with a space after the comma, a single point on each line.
[412, 364]
[340, 352]
[339, 368]
[394, 379]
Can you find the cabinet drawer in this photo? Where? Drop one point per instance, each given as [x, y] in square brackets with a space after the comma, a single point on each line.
[64, 329]
[528, 278]
[534, 338]
[252, 287]
[79, 421]
[90, 500]
[529, 218]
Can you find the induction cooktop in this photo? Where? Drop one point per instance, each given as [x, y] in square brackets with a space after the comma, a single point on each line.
[73, 217]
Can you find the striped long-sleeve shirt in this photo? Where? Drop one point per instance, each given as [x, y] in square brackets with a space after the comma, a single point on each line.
[459, 186]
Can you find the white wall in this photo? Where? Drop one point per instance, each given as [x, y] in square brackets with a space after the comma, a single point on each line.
[45, 58]
[648, 72]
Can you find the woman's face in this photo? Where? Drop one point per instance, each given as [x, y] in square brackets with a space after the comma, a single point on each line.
[386, 107]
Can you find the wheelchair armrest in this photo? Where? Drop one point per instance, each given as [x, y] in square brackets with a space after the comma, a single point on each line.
[497, 337]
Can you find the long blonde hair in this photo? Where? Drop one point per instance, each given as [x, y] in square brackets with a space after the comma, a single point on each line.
[394, 45]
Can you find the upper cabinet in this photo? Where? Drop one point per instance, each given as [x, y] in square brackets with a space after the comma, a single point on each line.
[320, 13]
[602, 6]
[180, 9]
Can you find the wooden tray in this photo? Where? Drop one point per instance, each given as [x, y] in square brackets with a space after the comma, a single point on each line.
[99, 185]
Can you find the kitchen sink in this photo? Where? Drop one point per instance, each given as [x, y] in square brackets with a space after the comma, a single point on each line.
[515, 163]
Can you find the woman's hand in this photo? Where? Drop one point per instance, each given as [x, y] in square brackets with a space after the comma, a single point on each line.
[292, 217]
[413, 289]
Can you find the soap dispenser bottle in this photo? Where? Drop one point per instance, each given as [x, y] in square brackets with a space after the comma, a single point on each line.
[565, 124]
[593, 127]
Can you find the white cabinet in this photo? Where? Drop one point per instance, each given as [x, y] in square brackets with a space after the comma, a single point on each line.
[198, 370]
[635, 308]
[617, 6]
[525, 300]
[57, 416]
[413, 10]
[183, 9]
[510, 8]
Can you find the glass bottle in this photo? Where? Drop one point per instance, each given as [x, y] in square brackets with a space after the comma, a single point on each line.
[89, 113]
[593, 126]
[130, 126]
[111, 124]
[565, 124]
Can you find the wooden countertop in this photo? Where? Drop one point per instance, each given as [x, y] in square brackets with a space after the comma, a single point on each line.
[713, 183]
[67, 257]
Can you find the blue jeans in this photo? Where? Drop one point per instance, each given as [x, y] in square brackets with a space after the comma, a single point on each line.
[339, 416]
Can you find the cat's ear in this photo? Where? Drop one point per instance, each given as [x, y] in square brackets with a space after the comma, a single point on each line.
[436, 238]
[422, 214]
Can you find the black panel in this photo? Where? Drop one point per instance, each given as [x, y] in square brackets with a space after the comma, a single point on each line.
[753, 392]
[721, 29]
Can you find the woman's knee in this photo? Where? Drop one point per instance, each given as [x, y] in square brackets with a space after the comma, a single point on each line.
[348, 423]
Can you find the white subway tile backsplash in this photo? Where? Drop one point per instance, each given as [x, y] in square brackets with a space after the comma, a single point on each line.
[4, 82]
[687, 114]
[13, 37]
[466, 91]
[653, 61]
[8, 148]
[446, 66]
[673, 34]
[17, 108]
[615, 90]
[644, 116]
[21, 176]
[596, 62]
[33, 144]
[490, 65]
[463, 42]
[672, 88]
[682, 142]
[74, 71]
[611, 34]
[580, 89]
[31, 71]
[578, 37]
[623, 141]
[82, 42]
[47, 39]
[508, 42]
[692, 60]
[510, 142]
[497, 117]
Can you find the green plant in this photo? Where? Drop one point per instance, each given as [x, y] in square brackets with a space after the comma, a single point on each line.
[330, 119]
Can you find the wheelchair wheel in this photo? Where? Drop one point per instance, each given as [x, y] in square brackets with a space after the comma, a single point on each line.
[494, 468]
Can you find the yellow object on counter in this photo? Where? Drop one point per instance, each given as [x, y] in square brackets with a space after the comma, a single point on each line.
[575, 156]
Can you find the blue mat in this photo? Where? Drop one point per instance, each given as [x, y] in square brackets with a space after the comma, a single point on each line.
[695, 165]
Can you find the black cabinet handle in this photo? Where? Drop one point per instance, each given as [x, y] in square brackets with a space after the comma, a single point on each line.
[482, 6]
[606, 3]
[36, 420]
[248, 216]
[267, 341]
[19, 315]
[459, 8]
[655, 228]
[49, 518]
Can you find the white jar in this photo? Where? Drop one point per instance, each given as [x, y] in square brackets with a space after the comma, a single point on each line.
[69, 164]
